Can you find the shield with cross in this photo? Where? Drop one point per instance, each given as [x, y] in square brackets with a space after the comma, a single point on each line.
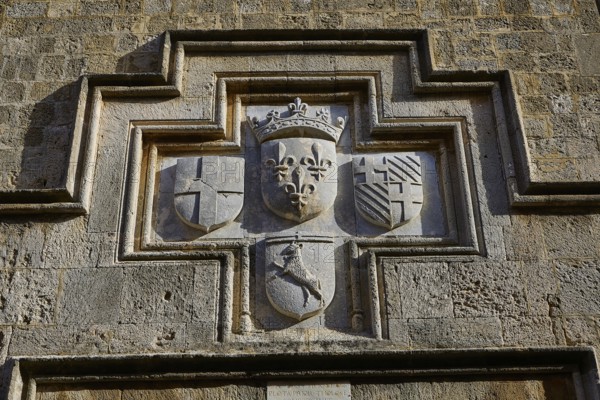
[209, 190]
[388, 189]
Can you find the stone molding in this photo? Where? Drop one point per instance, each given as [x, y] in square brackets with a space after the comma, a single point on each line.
[30, 373]
[75, 196]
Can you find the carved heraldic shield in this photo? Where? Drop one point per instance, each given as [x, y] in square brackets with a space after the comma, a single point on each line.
[209, 190]
[388, 189]
[300, 275]
[298, 161]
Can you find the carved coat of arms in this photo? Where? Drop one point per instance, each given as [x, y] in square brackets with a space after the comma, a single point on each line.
[388, 189]
[209, 190]
[298, 161]
[300, 275]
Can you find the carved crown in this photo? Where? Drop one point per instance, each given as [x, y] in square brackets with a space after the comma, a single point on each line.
[297, 124]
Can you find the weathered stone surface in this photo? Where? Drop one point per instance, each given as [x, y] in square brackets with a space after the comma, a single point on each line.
[90, 296]
[541, 286]
[150, 391]
[58, 392]
[205, 292]
[148, 338]
[455, 332]
[558, 387]
[582, 331]
[536, 331]
[28, 296]
[299, 275]
[485, 290]
[60, 339]
[523, 239]
[423, 291]
[5, 335]
[157, 294]
[579, 285]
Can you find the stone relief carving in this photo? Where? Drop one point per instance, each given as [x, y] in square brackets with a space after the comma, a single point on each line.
[299, 174]
[209, 190]
[300, 163]
[299, 276]
[388, 189]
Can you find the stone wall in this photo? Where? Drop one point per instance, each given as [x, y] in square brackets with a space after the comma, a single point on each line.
[532, 279]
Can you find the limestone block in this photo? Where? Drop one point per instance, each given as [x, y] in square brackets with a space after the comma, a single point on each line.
[60, 392]
[524, 331]
[156, 394]
[157, 294]
[105, 219]
[148, 338]
[582, 331]
[561, 387]
[490, 289]
[60, 339]
[455, 332]
[524, 239]
[494, 243]
[5, 335]
[68, 246]
[398, 332]
[541, 286]
[391, 289]
[90, 296]
[27, 9]
[422, 291]
[28, 296]
[579, 285]
[199, 335]
[23, 245]
[205, 293]
[157, 7]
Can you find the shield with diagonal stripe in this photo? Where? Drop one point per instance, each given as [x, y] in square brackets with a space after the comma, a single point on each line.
[388, 189]
[209, 190]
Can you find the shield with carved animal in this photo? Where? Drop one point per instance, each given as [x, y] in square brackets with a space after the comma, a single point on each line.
[209, 190]
[300, 274]
[298, 160]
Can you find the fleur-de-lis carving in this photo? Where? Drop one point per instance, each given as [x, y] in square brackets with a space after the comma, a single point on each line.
[298, 107]
[299, 191]
[272, 115]
[282, 163]
[317, 165]
[323, 114]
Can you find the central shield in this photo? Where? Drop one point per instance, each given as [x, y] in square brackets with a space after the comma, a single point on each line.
[300, 275]
[298, 160]
[298, 177]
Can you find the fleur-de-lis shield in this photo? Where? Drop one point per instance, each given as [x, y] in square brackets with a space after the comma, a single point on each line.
[298, 168]
[299, 177]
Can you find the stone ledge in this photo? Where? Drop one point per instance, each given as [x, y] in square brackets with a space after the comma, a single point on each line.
[30, 373]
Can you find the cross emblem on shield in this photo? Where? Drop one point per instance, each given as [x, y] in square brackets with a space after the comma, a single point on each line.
[209, 190]
[388, 190]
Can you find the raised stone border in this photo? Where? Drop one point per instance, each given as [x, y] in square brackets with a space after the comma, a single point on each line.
[29, 372]
[76, 194]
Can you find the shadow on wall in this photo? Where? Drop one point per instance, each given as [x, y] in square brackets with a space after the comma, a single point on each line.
[49, 135]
